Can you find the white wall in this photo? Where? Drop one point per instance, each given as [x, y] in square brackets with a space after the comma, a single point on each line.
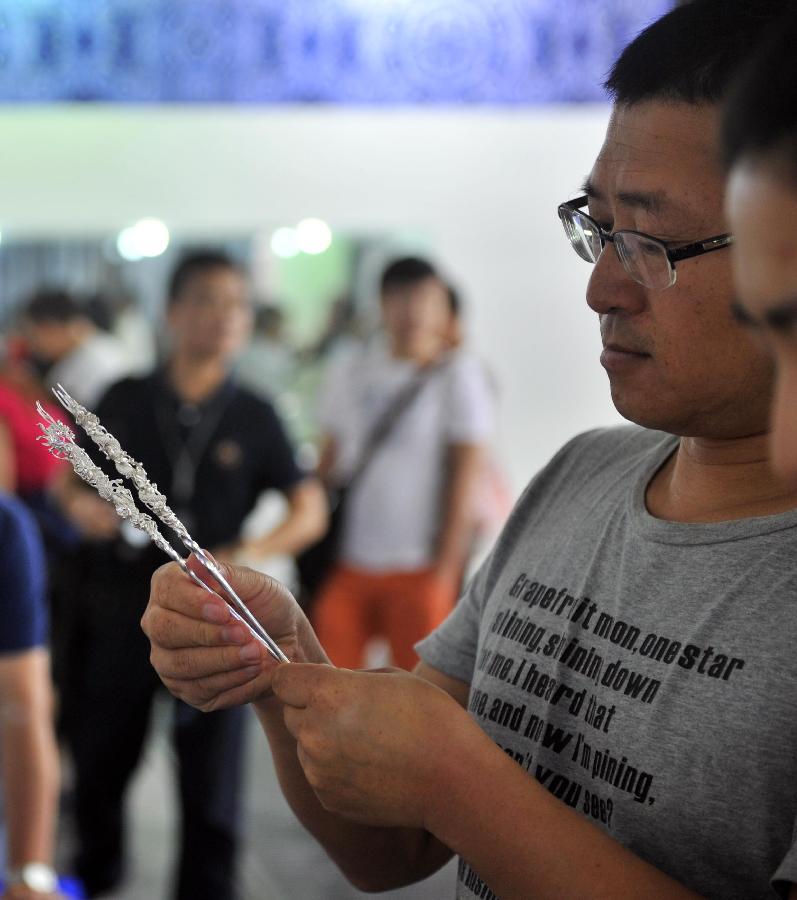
[484, 184]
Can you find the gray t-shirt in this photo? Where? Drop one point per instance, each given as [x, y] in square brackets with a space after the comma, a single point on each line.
[644, 671]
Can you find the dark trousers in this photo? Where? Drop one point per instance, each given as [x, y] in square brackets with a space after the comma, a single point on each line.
[106, 714]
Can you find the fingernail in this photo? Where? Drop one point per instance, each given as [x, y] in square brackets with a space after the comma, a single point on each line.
[234, 634]
[250, 653]
[212, 612]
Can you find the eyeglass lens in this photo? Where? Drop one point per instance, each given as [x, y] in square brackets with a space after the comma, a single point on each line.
[644, 259]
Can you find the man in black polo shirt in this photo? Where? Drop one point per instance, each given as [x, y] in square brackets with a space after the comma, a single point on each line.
[212, 447]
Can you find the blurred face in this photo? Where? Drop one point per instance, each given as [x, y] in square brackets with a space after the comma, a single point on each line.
[677, 360]
[762, 209]
[417, 319]
[212, 316]
[51, 341]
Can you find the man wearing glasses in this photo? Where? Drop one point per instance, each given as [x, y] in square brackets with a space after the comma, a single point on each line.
[610, 709]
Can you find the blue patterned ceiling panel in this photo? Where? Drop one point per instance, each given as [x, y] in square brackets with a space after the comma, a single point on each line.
[314, 51]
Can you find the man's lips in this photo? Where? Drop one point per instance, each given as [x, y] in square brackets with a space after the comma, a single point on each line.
[619, 358]
[614, 347]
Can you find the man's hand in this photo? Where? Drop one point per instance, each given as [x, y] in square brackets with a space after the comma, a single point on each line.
[207, 657]
[374, 746]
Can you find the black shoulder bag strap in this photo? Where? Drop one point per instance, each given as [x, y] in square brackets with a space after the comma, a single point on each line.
[386, 423]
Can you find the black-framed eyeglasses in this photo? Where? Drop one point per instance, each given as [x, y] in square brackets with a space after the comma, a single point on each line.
[649, 261]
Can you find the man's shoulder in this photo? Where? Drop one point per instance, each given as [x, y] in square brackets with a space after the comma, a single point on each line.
[601, 453]
[615, 443]
[131, 388]
[250, 402]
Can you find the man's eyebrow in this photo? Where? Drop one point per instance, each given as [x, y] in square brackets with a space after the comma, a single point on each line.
[653, 202]
[780, 317]
[588, 188]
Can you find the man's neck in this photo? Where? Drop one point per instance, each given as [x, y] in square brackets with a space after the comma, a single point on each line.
[195, 379]
[718, 480]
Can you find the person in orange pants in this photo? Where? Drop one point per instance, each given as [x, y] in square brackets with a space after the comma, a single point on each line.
[402, 607]
[409, 519]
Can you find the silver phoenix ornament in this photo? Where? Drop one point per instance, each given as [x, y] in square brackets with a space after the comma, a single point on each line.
[60, 441]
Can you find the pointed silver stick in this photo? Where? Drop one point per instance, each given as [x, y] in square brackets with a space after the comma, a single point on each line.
[60, 440]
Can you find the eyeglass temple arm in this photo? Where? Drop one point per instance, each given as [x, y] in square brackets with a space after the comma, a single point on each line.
[699, 247]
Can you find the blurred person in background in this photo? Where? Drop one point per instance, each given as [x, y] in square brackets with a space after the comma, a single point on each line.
[609, 711]
[29, 767]
[28, 470]
[68, 347]
[760, 150]
[407, 524]
[213, 448]
[26, 467]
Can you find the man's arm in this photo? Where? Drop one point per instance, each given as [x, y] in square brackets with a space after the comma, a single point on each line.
[29, 756]
[387, 770]
[465, 467]
[305, 522]
[392, 749]
[197, 651]
[371, 857]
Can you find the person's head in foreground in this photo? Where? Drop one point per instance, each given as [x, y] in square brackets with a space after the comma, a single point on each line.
[676, 358]
[759, 139]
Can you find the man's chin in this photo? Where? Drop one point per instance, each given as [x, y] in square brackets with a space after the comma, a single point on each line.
[640, 413]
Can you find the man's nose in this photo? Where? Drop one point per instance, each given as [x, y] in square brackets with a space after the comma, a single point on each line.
[611, 289]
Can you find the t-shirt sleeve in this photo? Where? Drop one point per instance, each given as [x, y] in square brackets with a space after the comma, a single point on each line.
[452, 647]
[280, 471]
[470, 402]
[23, 611]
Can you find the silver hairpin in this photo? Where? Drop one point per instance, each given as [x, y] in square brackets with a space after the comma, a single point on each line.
[60, 440]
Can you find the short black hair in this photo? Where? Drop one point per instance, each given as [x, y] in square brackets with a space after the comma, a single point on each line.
[198, 262]
[52, 305]
[407, 270]
[760, 113]
[692, 53]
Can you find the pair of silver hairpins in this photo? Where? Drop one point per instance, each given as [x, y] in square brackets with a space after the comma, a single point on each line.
[60, 440]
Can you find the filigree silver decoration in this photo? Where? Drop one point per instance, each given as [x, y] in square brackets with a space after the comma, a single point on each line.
[60, 440]
[126, 466]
